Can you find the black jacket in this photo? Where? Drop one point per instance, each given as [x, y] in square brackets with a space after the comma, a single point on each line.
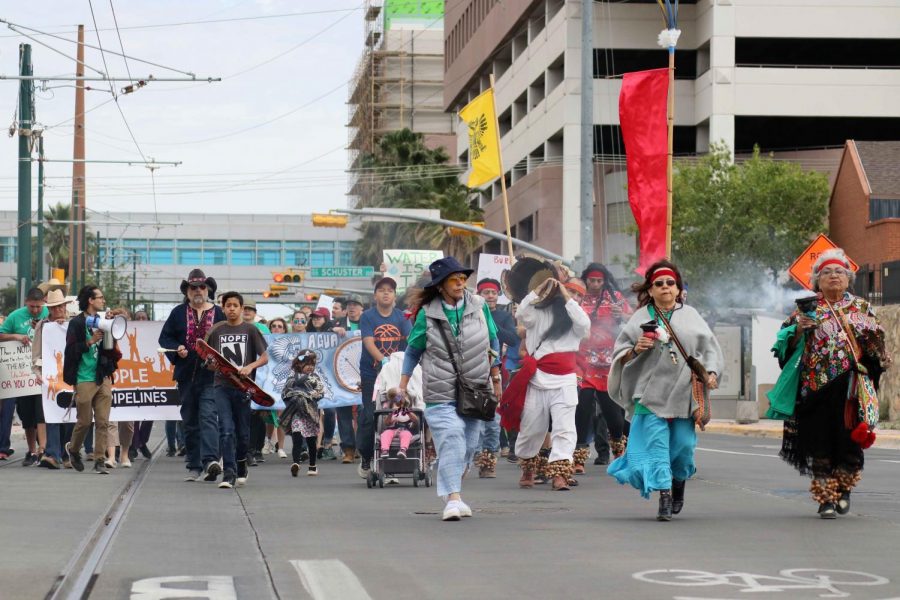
[174, 334]
[76, 346]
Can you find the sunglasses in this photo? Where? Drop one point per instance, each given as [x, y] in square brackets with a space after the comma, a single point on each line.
[300, 321]
[198, 286]
[661, 282]
[458, 277]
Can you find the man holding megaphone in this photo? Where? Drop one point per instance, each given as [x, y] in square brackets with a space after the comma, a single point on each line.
[89, 369]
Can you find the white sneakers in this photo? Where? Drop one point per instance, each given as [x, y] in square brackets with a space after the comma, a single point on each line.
[455, 510]
[268, 447]
[282, 453]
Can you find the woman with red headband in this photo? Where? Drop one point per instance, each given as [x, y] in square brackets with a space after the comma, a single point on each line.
[825, 435]
[607, 308]
[652, 380]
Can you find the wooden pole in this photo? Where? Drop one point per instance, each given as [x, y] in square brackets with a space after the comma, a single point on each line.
[78, 229]
[670, 117]
[509, 244]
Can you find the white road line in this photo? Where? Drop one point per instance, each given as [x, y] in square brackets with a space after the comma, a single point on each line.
[890, 461]
[329, 579]
[742, 453]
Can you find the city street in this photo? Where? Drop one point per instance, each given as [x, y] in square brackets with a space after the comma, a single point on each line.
[748, 526]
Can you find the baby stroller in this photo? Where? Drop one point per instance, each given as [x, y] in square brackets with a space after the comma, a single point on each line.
[415, 466]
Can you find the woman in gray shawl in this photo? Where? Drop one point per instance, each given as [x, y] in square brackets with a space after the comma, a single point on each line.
[651, 379]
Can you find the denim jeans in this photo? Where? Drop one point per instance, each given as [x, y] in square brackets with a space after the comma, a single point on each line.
[328, 423]
[233, 408]
[7, 410]
[365, 427]
[58, 434]
[174, 434]
[456, 440]
[490, 435]
[201, 431]
[345, 427]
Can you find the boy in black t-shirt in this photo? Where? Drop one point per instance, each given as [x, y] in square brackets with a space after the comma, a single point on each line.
[244, 346]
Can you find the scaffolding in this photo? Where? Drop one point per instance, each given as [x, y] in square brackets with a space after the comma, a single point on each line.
[397, 83]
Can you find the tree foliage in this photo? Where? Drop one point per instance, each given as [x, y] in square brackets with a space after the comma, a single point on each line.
[737, 227]
[404, 173]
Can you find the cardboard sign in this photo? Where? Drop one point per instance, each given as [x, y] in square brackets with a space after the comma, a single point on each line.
[492, 266]
[801, 270]
[405, 266]
[16, 376]
[143, 389]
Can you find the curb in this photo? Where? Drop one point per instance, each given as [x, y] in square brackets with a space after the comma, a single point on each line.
[888, 439]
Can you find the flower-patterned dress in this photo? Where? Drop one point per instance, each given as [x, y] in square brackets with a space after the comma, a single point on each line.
[816, 439]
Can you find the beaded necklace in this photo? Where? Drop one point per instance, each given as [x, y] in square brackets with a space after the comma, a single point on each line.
[667, 345]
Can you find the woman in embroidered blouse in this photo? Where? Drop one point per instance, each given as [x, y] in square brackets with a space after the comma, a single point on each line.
[651, 380]
[817, 438]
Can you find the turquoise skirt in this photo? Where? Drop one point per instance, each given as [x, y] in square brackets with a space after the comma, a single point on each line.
[659, 450]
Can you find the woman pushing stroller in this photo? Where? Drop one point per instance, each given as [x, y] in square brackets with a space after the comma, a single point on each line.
[301, 394]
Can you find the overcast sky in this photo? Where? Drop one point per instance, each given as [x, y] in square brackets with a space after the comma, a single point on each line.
[233, 158]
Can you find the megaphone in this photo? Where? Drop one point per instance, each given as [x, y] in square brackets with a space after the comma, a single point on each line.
[113, 329]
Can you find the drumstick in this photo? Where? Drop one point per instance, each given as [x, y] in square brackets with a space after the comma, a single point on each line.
[167, 349]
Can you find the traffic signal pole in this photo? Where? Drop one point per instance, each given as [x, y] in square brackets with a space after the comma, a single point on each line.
[26, 102]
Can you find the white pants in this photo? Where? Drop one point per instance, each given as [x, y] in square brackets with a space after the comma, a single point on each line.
[540, 407]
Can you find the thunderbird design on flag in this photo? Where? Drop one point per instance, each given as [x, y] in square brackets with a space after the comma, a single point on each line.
[477, 127]
[484, 141]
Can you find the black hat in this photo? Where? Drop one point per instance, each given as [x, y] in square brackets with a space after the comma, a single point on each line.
[443, 268]
[198, 277]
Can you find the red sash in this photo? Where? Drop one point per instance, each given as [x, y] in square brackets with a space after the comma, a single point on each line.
[513, 400]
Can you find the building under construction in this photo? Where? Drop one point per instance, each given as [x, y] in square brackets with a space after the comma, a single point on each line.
[398, 83]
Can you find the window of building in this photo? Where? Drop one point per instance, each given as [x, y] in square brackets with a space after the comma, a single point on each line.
[189, 252]
[215, 252]
[787, 133]
[816, 52]
[296, 253]
[883, 209]
[162, 252]
[608, 140]
[613, 62]
[322, 254]
[243, 253]
[345, 257]
[526, 228]
[8, 249]
[268, 253]
[133, 247]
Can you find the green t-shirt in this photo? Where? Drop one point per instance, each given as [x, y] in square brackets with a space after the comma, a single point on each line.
[417, 335]
[640, 409]
[352, 325]
[87, 368]
[21, 322]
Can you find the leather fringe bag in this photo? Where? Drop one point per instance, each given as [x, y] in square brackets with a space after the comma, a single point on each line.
[476, 401]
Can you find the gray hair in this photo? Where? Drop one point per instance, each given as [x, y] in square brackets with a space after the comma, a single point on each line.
[835, 253]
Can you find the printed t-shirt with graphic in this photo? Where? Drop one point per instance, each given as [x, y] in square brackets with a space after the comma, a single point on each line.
[20, 322]
[389, 333]
[239, 344]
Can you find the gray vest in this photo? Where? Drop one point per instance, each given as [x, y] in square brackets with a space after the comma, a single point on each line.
[438, 377]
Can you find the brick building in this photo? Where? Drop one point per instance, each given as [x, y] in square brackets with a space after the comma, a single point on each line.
[864, 216]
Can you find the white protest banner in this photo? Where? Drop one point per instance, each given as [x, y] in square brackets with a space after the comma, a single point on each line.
[143, 389]
[405, 266]
[326, 301]
[16, 377]
[492, 266]
[337, 365]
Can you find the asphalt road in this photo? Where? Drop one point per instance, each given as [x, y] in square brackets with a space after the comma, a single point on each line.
[748, 529]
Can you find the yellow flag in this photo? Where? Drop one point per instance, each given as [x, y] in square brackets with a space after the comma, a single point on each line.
[484, 142]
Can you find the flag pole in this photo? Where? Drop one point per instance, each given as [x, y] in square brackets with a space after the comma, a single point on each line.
[512, 258]
[668, 38]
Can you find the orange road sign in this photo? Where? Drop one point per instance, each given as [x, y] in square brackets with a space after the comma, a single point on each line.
[802, 267]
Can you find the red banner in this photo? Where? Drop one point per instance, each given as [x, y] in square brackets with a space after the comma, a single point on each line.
[642, 115]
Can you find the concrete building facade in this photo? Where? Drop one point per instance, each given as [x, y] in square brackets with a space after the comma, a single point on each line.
[241, 251]
[786, 76]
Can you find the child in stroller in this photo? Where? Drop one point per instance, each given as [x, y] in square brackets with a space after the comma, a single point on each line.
[400, 422]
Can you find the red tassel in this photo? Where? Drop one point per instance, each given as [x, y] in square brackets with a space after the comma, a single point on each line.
[860, 434]
[870, 439]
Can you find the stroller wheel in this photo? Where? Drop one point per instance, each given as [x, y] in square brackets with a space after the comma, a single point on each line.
[416, 476]
[369, 481]
[381, 480]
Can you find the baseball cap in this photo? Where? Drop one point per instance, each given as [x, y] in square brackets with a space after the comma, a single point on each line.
[386, 281]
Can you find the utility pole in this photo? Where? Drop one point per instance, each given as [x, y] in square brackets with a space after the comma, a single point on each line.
[587, 133]
[134, 259]
[78, 230]
[26, 103]
[41, 263]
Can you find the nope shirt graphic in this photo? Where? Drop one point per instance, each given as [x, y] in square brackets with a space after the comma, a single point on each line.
[239, 344]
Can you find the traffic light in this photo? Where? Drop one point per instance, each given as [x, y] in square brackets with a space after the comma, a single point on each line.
[289, 276]
[274, 291]
[326, 220]
[312, 297]
[455, 231]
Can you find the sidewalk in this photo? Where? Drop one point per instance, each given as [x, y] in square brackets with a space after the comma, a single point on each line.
[765, 428]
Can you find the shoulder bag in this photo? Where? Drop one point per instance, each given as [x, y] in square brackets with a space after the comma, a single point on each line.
[699, 377]
[476, 401]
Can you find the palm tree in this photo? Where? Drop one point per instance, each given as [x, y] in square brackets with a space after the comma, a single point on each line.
[56, 235]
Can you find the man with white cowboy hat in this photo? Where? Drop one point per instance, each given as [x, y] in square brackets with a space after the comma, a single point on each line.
[19, 327]
[188, 322]
[57, 433]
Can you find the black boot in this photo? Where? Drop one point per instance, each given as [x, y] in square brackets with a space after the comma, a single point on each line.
[843, 504]
[677, 496]
[665, 506]
[827, 510]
